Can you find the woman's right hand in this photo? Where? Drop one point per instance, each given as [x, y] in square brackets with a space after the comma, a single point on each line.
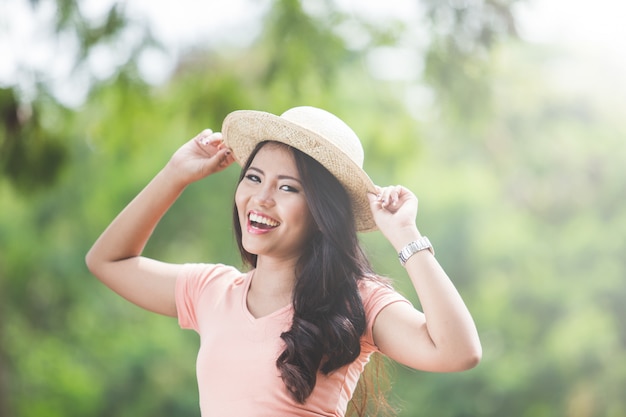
[200, 157]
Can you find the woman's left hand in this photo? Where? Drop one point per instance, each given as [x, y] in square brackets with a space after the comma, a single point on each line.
[394, 209]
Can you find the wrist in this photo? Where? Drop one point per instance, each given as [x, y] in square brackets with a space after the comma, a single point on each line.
[400, 238]
[171, 176]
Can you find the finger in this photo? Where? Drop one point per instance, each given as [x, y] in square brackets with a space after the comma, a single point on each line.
[385, 197]
[214, 139]
[375, 202]
[225, 157]
[394, 195]
[372, 197]
[204, 134]
[401, 194]
[207, 136]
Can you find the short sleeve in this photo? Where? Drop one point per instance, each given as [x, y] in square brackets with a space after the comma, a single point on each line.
[376, 296]
[192, 282]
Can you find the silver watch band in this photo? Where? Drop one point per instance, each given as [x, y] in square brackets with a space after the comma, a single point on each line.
[414, 247]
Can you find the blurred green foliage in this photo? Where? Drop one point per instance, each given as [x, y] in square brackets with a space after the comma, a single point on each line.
[518, 175]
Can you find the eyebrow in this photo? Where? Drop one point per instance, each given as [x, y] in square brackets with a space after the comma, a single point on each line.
[281, 177]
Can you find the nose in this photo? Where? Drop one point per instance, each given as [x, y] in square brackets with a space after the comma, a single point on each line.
[264, 196]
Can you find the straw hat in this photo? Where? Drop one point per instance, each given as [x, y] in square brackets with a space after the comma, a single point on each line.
[317, 133]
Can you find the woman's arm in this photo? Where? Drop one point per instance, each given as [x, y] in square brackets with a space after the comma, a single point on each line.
[441, 339]
[115, 258]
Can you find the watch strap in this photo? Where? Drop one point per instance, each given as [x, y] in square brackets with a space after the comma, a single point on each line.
[413, 247]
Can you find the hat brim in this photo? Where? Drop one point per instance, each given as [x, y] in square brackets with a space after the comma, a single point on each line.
[244, 129]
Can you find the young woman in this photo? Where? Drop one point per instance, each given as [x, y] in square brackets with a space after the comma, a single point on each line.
[290, 336]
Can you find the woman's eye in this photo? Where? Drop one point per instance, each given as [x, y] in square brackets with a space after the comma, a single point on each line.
[289, 188]
[253, 178]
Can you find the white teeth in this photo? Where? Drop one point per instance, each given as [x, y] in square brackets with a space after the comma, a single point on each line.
[263, 220]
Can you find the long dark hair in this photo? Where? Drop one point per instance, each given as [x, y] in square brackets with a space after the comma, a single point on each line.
[329, 318]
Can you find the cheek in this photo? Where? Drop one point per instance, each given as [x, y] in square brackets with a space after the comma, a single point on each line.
[310, 224]
[239, 201]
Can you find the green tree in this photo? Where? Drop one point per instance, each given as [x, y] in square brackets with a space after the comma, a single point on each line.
[70, 347]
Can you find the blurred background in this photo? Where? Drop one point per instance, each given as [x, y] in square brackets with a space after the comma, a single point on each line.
[506, 117]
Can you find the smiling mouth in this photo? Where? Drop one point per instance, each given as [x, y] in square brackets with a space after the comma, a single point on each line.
[261, 222]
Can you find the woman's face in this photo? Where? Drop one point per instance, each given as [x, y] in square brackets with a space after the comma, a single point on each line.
[271, 204]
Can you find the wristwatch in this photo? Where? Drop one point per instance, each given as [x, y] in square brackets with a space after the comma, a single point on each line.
[414, 247]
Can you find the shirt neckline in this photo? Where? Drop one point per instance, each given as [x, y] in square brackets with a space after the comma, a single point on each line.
[244, 303]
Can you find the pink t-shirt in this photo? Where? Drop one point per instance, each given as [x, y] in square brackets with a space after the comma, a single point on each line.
[236, 365]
